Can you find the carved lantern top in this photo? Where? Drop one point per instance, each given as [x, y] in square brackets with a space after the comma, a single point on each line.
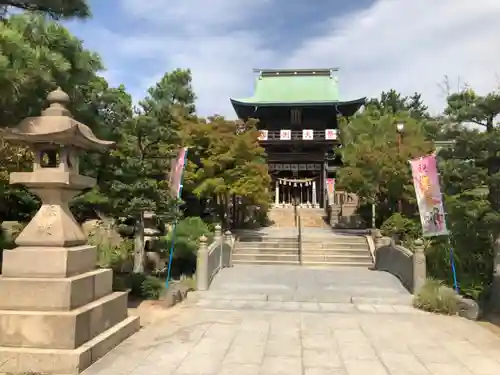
[55, 126]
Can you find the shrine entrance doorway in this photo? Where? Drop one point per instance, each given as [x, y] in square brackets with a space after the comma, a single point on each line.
[294, 188]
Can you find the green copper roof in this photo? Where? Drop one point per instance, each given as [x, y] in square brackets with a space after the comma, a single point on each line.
[298, 88]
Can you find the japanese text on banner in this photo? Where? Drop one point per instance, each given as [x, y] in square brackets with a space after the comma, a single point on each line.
[428, 193]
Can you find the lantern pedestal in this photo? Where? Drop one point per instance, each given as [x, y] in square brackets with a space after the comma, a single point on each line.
[58, 312]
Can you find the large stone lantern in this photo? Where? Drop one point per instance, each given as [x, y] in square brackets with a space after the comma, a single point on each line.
[58, 313]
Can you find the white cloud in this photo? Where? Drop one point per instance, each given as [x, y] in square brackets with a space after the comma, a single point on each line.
[407, 45]
[411, 46]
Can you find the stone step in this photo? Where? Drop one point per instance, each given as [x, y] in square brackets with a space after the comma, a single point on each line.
[306, 259]
[346, 297]
[331, 238]
[285, 244]
[264, 251]
[256, 239]
[266, 262]
[318, 252]
[333, 245]
[327, 258]
[306, 238]
[337, 264]
[274, 257]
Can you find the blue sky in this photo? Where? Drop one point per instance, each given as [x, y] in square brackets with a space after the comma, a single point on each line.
[408, 45]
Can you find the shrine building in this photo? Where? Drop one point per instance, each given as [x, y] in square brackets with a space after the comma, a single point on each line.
[298, 111]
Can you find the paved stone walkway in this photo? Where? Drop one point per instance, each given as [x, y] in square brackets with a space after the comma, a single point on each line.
[309, 284]
[197, 341]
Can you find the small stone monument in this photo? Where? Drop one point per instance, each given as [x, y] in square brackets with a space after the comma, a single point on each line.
[58, 313]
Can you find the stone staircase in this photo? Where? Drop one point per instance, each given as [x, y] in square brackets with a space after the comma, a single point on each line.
[336, 250]
[313, 218]
[267, 249]
[282, 217]
[320, 248]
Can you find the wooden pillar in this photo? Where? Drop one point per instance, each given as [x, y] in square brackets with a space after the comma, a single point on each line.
[314, 194]
[277, 193]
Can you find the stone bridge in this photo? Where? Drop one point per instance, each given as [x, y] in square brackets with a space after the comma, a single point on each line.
[297, 320]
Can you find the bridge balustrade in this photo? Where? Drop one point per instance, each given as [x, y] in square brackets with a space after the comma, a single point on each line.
[212, 258]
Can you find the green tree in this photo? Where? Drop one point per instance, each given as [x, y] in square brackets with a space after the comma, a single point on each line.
[467, 107]
[226, 162]
[375, 163]
[470, 183]
[36, 55]
[57, 9]
[393, 102]
[138, 179]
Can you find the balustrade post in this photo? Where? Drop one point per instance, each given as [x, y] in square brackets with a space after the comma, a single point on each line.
[202, 265]
[419, 266]
[228, 241]
[377, 239]
[218, 239]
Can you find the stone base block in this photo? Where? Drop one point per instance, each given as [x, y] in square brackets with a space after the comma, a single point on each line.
[49, 294]
[66, 362]
[51, 262]
[62, 329]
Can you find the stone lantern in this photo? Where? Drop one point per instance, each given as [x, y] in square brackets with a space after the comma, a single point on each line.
[58, 313]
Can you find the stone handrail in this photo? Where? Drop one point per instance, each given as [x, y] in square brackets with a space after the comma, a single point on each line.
[408, 266]
[212, 258]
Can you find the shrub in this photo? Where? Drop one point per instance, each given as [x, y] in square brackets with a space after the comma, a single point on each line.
[437, 297]
[140, 285]
[117, 257]
[151, 287]
[406, 229]
[188, 233]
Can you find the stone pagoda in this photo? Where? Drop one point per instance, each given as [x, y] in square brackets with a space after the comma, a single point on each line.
[58, 313]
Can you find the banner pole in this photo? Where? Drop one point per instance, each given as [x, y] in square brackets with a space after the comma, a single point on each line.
[174, 229]
[453, 269]
[452, 255]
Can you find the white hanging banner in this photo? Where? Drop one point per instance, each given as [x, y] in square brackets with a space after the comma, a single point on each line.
[330, 134]
[263, 135]
[307, 134]
[285, 134]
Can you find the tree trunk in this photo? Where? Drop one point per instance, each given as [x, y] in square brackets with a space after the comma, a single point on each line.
[139, 254]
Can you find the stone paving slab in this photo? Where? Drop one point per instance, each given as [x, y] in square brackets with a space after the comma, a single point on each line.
[348, 308]
[197, 341]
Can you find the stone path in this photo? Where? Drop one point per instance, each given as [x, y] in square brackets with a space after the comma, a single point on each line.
[304, 284]
[197, 341]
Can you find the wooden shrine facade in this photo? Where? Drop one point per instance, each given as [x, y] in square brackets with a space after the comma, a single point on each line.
[298, 112]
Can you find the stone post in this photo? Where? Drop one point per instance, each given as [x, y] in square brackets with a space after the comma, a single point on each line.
[228, 244]
[218, 238]
[377, 239]
[202, 265]
[58, 312]
[277, 194]
[419, 266]
[495, 286]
